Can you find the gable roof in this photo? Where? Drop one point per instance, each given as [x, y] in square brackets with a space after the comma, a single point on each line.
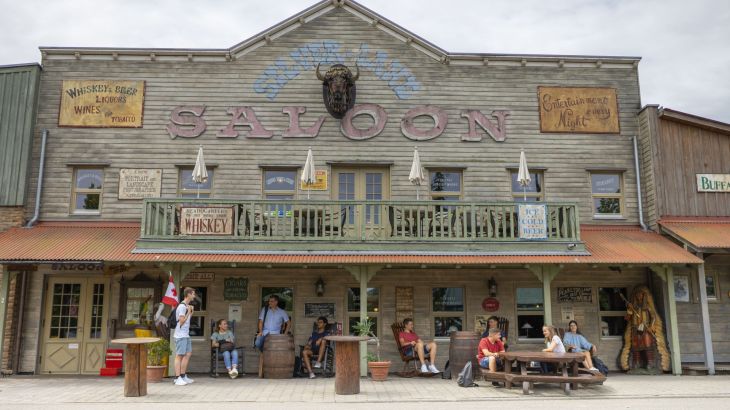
[312, 13]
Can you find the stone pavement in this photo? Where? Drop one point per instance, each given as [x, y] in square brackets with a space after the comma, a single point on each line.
[104, 392]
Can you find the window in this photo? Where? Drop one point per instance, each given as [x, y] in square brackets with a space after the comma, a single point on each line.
[532, 192]
[446, 185]
[612, 309]
[286, 298]
[200, 305]
[87, 191]
[711, 285]
[530, 313]
[189, 189]
[447, 310]
[353, 308]
[607, 194]
[138, 296]
[280, 183]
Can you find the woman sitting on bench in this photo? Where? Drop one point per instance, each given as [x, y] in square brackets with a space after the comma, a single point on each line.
[576, 342]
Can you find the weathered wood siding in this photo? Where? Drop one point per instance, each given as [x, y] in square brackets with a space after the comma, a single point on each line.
[650, 184]
[219, 85]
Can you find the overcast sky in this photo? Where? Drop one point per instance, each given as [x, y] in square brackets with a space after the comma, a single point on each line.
[684, 44]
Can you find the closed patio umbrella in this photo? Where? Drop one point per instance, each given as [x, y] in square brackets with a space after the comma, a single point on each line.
[200, 172]
[523, 175]
[308, 173]
[417, 175]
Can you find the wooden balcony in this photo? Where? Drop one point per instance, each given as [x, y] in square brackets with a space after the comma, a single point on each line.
[352, 225]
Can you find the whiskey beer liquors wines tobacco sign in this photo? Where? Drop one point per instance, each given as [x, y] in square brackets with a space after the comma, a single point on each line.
[578, 110]
[101, 104]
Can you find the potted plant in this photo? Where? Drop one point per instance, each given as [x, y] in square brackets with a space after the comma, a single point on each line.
[378, 368]
[157, 355]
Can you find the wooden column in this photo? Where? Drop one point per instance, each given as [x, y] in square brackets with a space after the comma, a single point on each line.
[546, 274]
[666, 273]
[135, 371]
[4, 293]
[705, 314]
[363, 274]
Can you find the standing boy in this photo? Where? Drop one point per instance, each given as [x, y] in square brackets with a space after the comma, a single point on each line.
[183, 345]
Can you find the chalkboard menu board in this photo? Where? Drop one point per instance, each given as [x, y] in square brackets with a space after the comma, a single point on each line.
[319, 309]
[235, 288]
[575, 295]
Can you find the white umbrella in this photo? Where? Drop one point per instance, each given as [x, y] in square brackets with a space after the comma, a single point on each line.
[417, 175]
[523, 175]
[308, 173]
[200, 172]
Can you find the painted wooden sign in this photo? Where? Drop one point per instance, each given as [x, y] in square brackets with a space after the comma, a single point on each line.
[139, 183]
[578, 110]
[101, 103]
[200, 276]
[235, 288]
[575, 294]
[532, 220]
[319, 185]
[319, 309]
[713, 182]
[206, 220]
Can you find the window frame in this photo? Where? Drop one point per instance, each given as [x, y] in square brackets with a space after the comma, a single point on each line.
[140, 281]
[619, 196]
[205, 324]
[522, 312]
[209, 192]
[265, 193]
[715, 281]
[448, 314]
[434, 195]
[610, 313]
[518, 196]
[85, 191]
[350, 314]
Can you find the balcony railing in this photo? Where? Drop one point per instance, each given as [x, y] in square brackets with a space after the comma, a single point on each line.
[348, 221]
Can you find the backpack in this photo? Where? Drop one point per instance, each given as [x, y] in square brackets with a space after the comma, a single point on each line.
[172, 319]
[466, 379]
[446, 374]
[598, 364]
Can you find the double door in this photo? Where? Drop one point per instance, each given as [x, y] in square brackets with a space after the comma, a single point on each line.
[75, 325]
[368, 184]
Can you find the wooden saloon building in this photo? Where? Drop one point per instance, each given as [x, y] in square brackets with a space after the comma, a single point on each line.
[119, 210]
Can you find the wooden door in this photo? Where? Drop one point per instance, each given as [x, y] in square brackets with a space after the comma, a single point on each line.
[74, 326]
[369, 184]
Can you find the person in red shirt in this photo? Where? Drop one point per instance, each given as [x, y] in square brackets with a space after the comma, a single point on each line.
[489, 349]
[410, 340]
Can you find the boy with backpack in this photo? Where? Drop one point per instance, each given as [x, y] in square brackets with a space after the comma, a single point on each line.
[183, 344]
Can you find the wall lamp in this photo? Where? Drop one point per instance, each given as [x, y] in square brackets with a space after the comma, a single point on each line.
[492, 285]
[319, 287]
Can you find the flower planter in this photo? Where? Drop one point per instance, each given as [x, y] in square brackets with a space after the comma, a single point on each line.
[379, 370]
[155, 373]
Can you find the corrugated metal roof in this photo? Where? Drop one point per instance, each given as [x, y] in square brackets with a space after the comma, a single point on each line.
[115, 241]
[18, 96]
[699, 232]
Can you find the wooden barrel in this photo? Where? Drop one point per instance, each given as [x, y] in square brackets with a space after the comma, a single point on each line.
[279, 357]
[463, 347]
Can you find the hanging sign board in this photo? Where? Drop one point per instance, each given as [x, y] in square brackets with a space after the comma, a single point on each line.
[235, 288]
[575, 295]
[101, 103]
[139, 183]
[206, 220]
[532, 221]
[578, 110]
[319, 309]
[713, 182]
[319, 185]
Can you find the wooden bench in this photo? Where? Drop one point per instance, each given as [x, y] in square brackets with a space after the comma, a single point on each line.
[527, 380]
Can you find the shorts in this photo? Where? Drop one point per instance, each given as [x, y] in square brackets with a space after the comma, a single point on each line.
[484, 362]
[410, 352]
[183, 346]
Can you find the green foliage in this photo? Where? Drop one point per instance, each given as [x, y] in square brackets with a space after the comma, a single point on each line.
[364, 327]
[157, 351]
[372, 357]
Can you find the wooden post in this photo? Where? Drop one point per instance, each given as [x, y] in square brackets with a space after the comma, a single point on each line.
[666, 273]
[705, 313]
[135, 369]
[4, 293]
[546, 274]
[363, 274]
[347, 379]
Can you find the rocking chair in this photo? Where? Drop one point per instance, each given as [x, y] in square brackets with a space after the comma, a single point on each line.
[397, 328]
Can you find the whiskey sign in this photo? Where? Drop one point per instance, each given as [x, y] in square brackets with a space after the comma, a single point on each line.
[578, 110]
[101, 103]
[139, 183]
[206, 220]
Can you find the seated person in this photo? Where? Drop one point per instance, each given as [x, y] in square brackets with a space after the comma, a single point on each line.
[413, 344]
[230, 357]
[553, 343]
[574, 341]
[315, 346]
[489, 349]
[493, 323]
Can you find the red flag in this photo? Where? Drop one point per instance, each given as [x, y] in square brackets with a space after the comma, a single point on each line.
[170, 297]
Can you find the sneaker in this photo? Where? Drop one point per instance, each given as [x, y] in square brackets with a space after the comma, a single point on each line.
[234, 373]
[179, 381]
[188, 380]
[317, 365]
[593, 369]
[433, 369]
[312, 376]
[424, 368]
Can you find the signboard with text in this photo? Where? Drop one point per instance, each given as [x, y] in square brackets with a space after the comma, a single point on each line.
[713, 182]
[532, 220]
[578, 110]
[101, 103]
[319, 185]
[206, 220]
[139, 183]
[235, 288]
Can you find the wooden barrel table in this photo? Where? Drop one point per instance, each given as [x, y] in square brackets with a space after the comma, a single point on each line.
[347, 363]
[463, 348]
[278, 357]
[135, 365]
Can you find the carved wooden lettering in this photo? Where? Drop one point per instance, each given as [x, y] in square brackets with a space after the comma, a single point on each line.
[497, 132]
[440, 120]
[180, 118]
[376, 112]
[295, 130]
[244, 116]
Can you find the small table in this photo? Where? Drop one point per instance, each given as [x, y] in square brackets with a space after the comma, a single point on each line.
[135, 365]
[347, 363]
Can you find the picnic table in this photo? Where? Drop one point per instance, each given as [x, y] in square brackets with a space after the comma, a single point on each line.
[567, 364]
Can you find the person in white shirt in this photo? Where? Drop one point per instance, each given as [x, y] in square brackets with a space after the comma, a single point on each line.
[183, 344]
[552, 340]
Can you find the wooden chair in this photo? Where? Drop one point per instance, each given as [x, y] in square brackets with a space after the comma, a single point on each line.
[397, 328]
[216, 356]
[503, 326]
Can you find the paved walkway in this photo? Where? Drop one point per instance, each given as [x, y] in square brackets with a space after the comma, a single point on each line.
[103, 392]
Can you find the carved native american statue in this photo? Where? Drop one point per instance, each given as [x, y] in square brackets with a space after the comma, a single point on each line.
[644, 335]
[338, 89]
